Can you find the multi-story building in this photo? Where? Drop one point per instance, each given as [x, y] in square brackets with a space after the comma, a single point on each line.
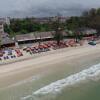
[5, 20]
[4, 37]
[2, 22]
[1, 28]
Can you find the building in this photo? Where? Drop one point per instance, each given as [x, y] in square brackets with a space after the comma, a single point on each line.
[2, 22]
[4, 37]
[34, 37]
[6, 41]
[44, 20]
[1, 27]
[1, 30]
[87, 31]
[5, 20]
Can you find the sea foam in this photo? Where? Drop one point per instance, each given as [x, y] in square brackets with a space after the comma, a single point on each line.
[56, 87]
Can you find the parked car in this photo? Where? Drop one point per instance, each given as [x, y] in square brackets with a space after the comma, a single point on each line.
[92, 43]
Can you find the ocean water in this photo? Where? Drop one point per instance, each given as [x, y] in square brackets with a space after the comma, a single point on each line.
[67, 82]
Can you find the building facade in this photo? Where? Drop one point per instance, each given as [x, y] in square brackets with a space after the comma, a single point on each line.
[4, 37]
[1, 28]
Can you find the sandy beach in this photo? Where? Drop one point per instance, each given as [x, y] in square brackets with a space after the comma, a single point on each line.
[14, 72]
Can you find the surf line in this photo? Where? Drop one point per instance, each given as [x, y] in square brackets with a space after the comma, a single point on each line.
[57, 86]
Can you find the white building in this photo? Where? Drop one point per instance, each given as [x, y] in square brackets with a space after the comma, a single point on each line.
[4, 37]
[2, 22]
[1, 27]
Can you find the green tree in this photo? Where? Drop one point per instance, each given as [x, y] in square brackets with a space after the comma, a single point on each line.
[58, 35]
[7, 28]
[73, 23]
[92, 12]
[98, 11]
[23, 31]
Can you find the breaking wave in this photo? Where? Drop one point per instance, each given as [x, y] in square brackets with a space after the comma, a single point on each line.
[91, 73]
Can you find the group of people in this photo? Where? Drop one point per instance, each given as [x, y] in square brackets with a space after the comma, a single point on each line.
[9, 53]
[48, 46]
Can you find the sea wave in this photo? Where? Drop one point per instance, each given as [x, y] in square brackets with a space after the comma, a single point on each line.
[31, 79]
[27, 97]
[56, 87]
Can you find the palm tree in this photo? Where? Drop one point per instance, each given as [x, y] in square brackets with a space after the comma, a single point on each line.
[15, 40]
[78, 36]
[58, 35]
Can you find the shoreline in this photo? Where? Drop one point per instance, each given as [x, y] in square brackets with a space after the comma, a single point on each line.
[14, 73]
[91, 73]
